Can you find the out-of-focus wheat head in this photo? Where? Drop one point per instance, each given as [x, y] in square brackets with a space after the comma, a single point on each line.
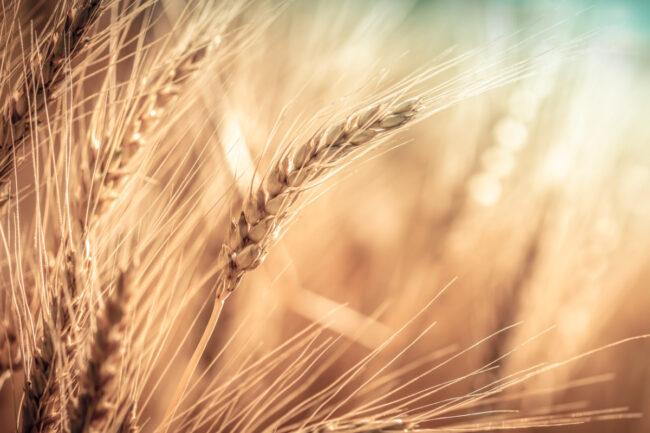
[420, 238]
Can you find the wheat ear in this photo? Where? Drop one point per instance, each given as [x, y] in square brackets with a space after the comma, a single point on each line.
[47, 72]
[91, 406]
[268, 208]
[42, 77]
[112, 170]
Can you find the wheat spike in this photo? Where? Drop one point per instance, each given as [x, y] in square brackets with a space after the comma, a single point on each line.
[112, 167]
[267, 209]
[41, 384]
[41, 78]
[92, 406]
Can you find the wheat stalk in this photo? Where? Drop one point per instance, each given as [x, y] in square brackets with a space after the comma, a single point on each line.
[41, 78]
[267, 209]
[111, 177]
[91, 406]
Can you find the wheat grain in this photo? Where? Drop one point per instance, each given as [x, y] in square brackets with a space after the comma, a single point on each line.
[266, 209]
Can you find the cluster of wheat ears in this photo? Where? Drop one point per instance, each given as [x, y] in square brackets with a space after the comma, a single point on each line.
[105, 237]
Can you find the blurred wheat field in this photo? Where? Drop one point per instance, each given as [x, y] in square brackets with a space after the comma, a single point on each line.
[324, 216]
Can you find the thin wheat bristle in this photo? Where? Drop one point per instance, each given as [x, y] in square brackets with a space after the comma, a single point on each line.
[365, 426]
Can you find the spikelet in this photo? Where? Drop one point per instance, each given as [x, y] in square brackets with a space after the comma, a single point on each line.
[39, 387]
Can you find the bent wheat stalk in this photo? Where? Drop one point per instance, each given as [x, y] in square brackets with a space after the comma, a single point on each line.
[268, 209]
